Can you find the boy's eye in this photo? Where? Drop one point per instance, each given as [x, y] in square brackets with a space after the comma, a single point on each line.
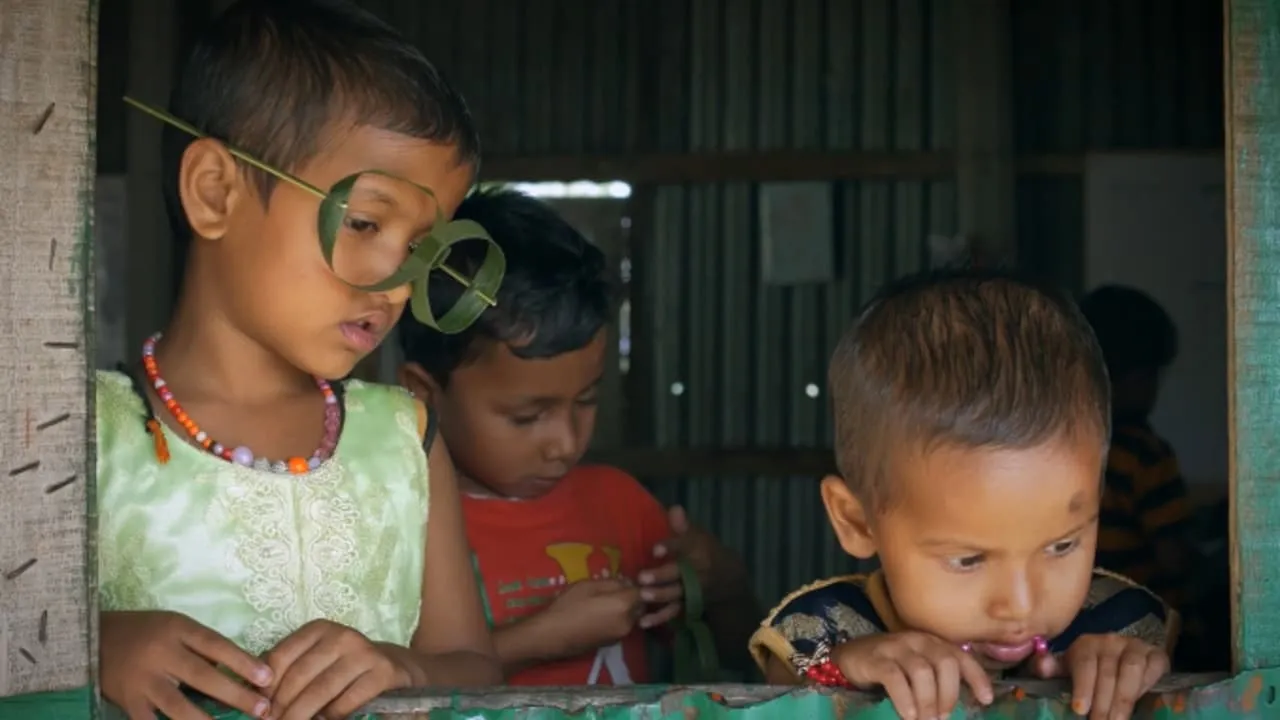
[1062, 547]
[590, 400]
[965, 563]
[525, 419]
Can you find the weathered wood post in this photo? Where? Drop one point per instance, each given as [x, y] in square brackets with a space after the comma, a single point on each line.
[1253, 232]
[47, 78]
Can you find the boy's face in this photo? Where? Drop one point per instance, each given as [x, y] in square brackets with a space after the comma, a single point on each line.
[987, 546]
[515, 427]
[272, 280]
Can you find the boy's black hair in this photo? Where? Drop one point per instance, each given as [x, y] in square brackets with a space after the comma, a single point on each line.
[1135, 332]
[270, 76]
[556, 296]
[970, 358]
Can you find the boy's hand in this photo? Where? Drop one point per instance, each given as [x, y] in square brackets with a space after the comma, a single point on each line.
[330, 671]
[661, 585]
[919, 672]
[1109, 673]
[145, 656]
[591, 614]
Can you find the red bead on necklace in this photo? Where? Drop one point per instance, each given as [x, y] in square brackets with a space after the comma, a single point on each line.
[240, 455]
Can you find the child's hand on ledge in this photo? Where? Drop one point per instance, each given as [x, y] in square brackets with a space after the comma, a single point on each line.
[146, 656]
[330, 671]
[1109, 673]
[919, 672]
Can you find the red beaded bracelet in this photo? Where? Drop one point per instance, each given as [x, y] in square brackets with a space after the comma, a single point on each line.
[819, 669]
[826, 673]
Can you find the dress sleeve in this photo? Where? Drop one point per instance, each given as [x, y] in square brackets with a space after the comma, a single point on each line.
[814, 619]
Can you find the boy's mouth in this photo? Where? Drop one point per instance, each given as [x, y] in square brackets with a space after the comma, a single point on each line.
[1010, 653]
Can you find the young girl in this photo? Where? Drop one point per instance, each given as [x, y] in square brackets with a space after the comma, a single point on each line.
[269, 538]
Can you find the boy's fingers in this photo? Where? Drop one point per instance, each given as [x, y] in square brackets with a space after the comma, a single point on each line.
[924, 684]
[1104, 690]
[1049, 666]
[1084, 678]
[661, 617]
[895, 684]
[653, 594]
[1157, 667]
[948, 673]
[1133, 666]
[661, 575]
[977, 679]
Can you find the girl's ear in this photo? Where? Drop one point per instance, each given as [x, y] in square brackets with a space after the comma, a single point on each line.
[210, 185]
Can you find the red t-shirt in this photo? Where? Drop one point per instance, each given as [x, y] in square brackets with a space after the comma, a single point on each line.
[597, 522]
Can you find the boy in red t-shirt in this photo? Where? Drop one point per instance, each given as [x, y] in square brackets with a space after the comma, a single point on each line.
[575, 562]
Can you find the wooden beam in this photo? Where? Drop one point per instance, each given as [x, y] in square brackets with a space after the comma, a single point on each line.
[46, 110]
[1252, 69]
[671, 463]
[722, 166]
[985, 163]
[757, 166]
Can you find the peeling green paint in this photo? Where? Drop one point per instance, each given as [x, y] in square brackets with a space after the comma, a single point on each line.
[1253, 694]
[1253, 162]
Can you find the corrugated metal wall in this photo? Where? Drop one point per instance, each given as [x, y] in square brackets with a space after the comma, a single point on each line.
[806, 75]
[560, 76]
[1106, 75]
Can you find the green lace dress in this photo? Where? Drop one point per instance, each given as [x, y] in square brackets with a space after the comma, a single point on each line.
[254, 554]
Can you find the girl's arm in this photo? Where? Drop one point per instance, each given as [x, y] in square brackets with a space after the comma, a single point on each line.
[452, 645]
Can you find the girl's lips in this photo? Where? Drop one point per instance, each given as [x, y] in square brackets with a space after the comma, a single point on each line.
[1007, 653]
[364, 340]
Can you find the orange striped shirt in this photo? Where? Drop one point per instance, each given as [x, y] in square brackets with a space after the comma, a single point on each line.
[1144, 499]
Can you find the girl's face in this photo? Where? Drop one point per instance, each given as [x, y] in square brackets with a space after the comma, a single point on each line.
[991, 546]
[267, 275]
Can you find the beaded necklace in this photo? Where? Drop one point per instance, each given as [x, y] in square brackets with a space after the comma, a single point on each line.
[240, 455]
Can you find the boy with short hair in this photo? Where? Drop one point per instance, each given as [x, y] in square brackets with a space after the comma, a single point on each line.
[575, 561]
[971, 424]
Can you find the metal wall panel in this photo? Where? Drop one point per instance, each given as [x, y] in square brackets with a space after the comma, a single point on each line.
[565, 76]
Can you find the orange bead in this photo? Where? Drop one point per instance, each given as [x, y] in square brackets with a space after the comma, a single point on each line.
[298, 465]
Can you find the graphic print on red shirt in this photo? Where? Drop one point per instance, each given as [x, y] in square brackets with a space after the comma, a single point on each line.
[598, 522]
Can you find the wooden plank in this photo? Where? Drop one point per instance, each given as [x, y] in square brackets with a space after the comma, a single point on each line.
[1253, 238]
[730, 166]
[985, 163]
[720, 166]
[46, 110]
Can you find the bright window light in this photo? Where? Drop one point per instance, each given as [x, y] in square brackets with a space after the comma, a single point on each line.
[579, 189]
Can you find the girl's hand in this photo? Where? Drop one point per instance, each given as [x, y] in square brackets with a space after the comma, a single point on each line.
[330, 671]
[1109, 673]
[145, 656]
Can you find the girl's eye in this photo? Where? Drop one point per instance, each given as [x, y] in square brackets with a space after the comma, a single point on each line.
[1063, 547]
[360, 225]
[966, 563]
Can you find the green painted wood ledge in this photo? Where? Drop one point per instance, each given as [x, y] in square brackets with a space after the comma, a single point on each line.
[1254, 694]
